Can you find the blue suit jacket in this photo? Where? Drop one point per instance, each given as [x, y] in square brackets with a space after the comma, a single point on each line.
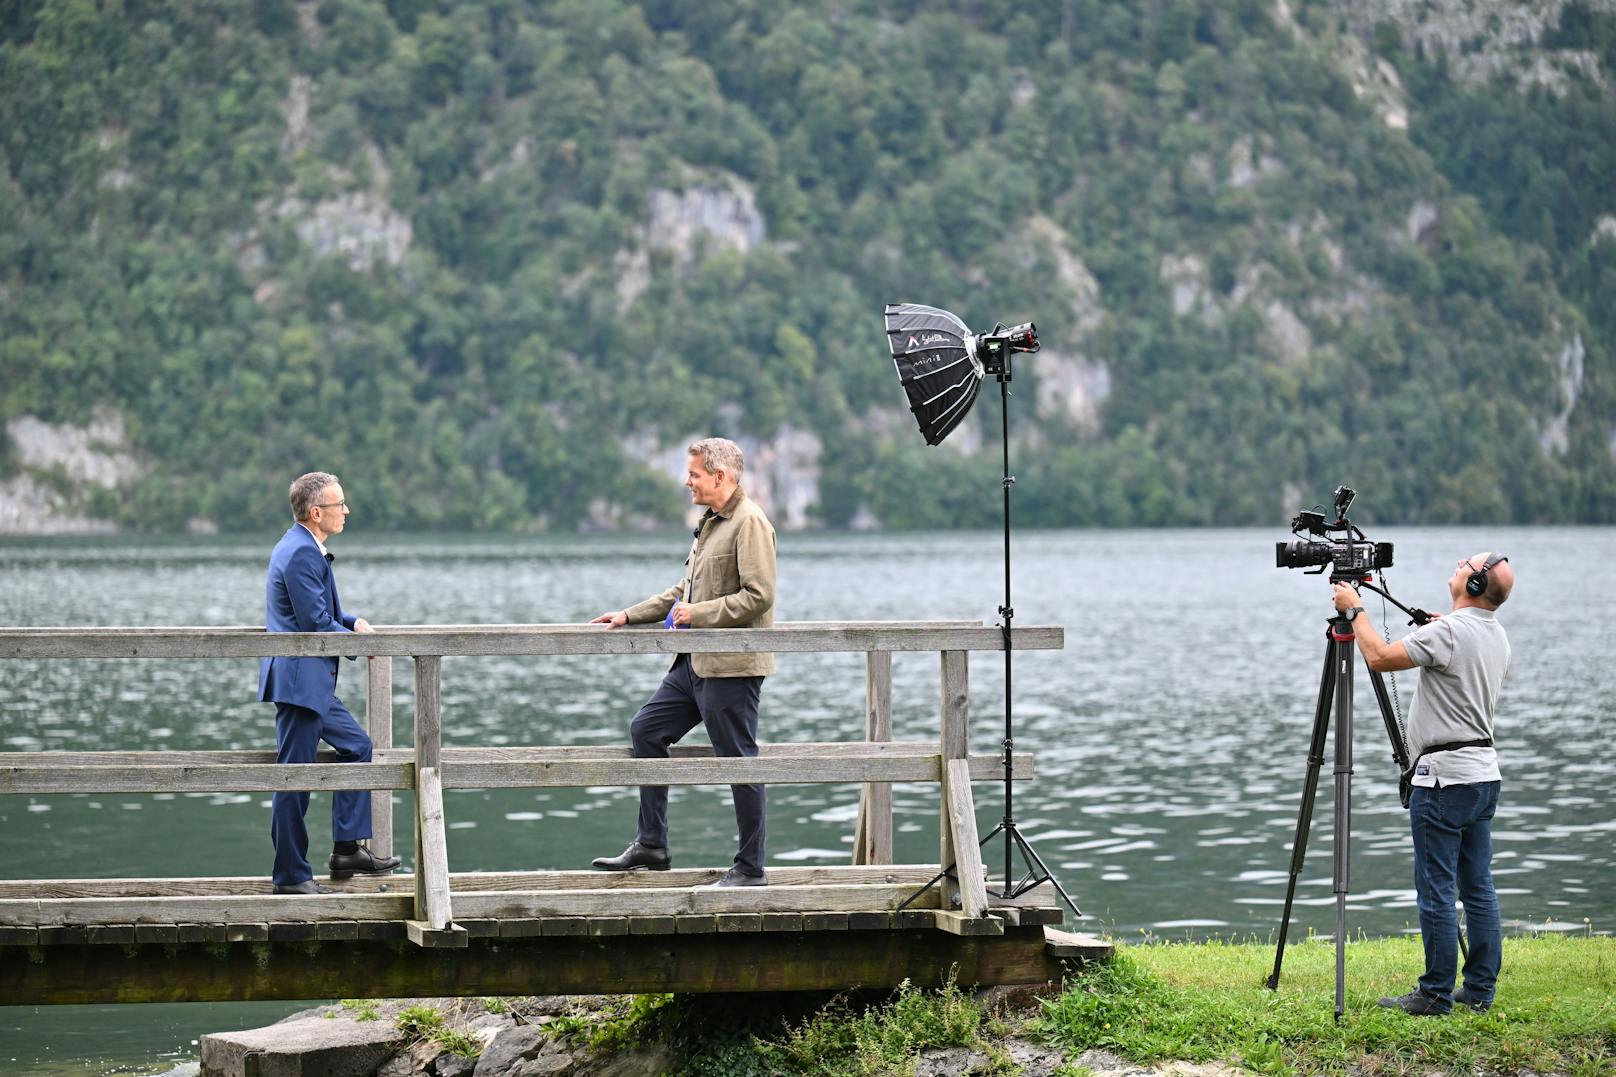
[301, 596]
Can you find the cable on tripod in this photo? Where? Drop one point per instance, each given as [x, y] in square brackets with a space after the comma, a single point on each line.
[1386, 633]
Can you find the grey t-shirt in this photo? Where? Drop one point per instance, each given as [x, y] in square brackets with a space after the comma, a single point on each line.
[1463, 657]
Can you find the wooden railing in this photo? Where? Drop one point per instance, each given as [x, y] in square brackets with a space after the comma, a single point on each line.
[428, 768]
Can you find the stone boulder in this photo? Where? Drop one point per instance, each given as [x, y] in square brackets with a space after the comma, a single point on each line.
[305, 1047]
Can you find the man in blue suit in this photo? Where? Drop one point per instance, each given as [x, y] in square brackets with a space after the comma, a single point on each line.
[302, 597]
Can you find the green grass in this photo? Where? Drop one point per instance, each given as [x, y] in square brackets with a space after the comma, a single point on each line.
[626, 1021]
[1199, 1002]
[766, 1036]
[1555, 1010]
[425, 1023]
[878, 1040]
[363, 1009]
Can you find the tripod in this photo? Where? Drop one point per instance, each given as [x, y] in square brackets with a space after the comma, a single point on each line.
[1335, 684]
[1037, 872]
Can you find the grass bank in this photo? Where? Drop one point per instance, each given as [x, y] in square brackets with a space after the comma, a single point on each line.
[1555, 1010]
[1196, 1002]
[1199, 1002]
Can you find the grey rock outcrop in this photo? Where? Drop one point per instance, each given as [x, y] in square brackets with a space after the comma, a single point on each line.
[96, 454]
[1483, 40]
[516, 1050]
[1555, 435]
[707, 214]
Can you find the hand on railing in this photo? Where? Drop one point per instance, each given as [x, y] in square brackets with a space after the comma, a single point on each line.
[362, 625]
[612, 620]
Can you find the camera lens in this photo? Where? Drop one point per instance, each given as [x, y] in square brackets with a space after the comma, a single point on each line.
[1299, 553]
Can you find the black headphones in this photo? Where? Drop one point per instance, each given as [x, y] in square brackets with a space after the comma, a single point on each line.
[1476, 585]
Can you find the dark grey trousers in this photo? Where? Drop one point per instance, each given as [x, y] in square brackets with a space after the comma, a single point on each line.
[728, 707]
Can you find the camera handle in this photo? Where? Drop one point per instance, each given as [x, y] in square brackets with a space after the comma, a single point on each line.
[1416, 616]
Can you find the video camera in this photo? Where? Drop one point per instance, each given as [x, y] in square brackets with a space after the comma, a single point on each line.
[1335, 543]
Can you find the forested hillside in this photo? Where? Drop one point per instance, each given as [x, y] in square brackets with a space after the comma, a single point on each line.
[494, 262]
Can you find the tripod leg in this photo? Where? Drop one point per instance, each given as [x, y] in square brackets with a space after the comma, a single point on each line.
[1394, 732]
[1344, 645]
[1310, 788]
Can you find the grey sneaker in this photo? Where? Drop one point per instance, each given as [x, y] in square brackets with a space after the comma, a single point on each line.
[1417, 1003]
[1470, 1000]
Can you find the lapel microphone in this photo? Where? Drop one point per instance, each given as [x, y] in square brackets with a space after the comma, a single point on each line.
[330, 557]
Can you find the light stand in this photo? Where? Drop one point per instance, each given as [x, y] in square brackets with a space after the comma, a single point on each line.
[995, 358]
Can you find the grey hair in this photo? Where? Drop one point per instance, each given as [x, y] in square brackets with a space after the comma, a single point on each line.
[306, 490]
[719, 454]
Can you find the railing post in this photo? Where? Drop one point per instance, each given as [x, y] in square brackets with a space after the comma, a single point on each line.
[953, 744]
[432, 912]
[872, 840]
[379, 724]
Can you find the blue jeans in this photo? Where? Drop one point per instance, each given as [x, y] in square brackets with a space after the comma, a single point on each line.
[1453, 852]
[728, 707]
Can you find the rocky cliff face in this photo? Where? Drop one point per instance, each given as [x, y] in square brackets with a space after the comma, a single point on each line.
[58, 466]
[1482, 39]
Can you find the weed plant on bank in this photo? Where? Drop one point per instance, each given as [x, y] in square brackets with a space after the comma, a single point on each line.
[1555, 1011]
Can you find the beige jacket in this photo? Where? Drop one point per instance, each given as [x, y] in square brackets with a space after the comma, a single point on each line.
[728, 582]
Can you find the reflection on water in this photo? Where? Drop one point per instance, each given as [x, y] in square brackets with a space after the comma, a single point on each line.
[1170, 734]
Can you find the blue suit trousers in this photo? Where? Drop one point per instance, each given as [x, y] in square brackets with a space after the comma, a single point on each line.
[298, 733]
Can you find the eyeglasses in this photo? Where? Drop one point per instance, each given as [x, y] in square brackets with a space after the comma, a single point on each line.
[333, 505]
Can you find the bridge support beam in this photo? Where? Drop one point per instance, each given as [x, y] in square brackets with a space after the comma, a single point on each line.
[540, 965]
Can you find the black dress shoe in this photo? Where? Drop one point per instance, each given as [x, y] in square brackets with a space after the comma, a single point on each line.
[736, 877]
[636, 857]
[307, 886]
[1417, 1003]
[363, 862]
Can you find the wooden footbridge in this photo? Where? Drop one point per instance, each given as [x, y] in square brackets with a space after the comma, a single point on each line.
[437, 933]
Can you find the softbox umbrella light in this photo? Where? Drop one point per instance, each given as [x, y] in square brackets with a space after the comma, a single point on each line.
[937, 365]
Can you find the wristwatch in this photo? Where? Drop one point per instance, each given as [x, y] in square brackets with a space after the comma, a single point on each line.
[1352, 614]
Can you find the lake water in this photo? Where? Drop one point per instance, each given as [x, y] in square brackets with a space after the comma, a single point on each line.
[1171, 733]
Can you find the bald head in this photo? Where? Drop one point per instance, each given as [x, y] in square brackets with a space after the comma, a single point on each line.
[1500, 579]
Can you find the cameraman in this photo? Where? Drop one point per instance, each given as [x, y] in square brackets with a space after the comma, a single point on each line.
[1462, 657]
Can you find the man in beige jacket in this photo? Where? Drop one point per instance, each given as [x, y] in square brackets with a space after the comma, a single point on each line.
[728, 583]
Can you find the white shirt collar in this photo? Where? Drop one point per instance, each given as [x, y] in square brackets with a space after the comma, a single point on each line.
[315, 537]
